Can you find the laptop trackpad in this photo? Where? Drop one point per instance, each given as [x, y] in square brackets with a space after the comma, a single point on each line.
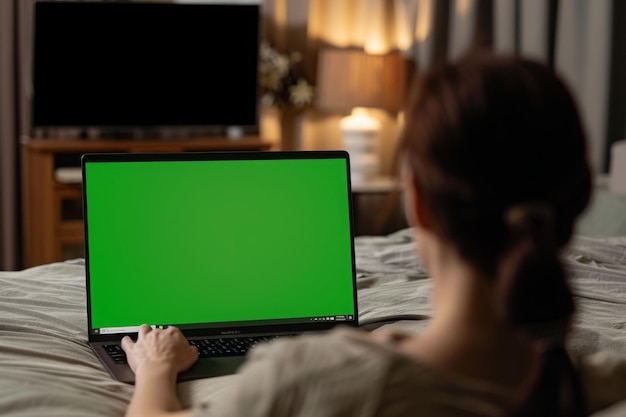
[210, 367]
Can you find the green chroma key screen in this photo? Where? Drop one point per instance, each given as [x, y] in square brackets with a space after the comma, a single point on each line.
[181, 242]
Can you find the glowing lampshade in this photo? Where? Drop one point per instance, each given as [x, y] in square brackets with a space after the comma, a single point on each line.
[350, 80]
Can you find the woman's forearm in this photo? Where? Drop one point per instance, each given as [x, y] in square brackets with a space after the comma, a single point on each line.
[155, 393]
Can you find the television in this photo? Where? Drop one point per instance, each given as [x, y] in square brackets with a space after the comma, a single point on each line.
[145, 65]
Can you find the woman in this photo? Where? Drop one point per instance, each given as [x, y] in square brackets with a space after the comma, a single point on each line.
[495, 173]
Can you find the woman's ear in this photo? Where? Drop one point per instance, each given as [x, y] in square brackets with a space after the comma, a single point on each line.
[417, 212]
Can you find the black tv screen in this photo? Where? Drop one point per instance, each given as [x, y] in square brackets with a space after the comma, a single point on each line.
[145, 64]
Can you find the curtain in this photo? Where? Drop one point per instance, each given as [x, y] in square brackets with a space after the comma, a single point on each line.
[8, 140]
[581, 39]
[15, 91]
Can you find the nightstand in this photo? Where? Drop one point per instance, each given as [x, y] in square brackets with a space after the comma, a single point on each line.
[377, 206]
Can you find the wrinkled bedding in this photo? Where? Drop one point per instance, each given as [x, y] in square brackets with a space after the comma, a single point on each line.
[47, 368]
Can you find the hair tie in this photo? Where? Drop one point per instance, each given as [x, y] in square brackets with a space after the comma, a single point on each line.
[535, 209]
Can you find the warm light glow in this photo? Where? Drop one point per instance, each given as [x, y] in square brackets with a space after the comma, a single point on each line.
[462, 6]
[331, 22]
[422, 27]
[280, 13]
[360, 119]
[376, 31]
[400, 118]
[376, 46]
[377, 26]
[403, 27]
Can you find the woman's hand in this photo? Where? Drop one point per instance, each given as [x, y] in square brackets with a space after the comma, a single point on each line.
[156, 358]
[165, 349]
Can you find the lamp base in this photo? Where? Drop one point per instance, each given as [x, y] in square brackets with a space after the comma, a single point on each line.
[364, 163]
[363, 168]
[360, 131]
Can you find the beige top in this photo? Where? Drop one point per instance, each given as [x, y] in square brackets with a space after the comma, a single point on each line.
[345, 373]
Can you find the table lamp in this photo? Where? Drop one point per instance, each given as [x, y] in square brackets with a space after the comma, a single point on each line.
[350, 80]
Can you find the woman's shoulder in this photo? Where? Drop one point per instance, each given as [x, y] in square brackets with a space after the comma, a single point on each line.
[341, 350]
[403, 384]
[337, 373]
[344, 372]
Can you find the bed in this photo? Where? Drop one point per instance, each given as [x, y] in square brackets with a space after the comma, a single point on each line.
[47, 369]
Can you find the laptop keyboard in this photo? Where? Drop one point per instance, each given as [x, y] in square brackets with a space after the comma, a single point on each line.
[207, 348]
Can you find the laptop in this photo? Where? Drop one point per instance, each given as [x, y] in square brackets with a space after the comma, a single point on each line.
[233, 248]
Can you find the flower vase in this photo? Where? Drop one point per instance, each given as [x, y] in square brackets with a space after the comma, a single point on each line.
[288, 125]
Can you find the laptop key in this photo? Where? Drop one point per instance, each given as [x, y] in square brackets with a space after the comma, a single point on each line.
[116, 353]
[207, 348]
[235, 346]
[119, 359]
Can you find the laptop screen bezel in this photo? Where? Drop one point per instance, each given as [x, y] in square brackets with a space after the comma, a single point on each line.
[220, 156]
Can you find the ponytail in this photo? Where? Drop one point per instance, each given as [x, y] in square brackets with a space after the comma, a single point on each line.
[535, 289]
[538, 301]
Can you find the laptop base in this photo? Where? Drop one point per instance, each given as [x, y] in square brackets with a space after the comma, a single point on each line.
[203, 368]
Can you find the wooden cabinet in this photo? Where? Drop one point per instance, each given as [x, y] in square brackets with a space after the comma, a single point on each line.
[52, 206]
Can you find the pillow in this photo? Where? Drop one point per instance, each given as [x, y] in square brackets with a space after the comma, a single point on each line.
[605, 215]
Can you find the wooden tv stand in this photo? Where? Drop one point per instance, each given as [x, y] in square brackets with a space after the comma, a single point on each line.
[52, 205]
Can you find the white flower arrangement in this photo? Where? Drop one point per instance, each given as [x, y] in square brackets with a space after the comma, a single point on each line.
[282, 80]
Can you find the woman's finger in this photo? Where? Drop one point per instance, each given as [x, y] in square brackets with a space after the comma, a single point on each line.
[144, 329]
[127, 343]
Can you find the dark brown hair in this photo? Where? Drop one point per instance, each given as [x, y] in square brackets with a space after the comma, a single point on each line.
[498, 155]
